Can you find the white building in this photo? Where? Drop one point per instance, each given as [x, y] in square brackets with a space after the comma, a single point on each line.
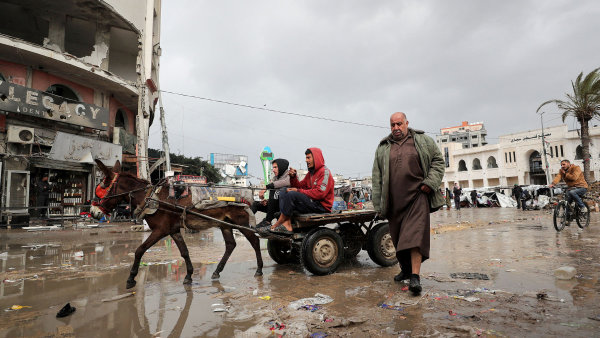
[470, 135]
[517, 158]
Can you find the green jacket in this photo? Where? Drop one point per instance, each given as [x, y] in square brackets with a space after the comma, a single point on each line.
[432, 163]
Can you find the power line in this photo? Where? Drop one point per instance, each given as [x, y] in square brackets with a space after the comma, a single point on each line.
[274, 110]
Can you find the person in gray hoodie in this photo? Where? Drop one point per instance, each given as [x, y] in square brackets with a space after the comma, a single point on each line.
[281, 179]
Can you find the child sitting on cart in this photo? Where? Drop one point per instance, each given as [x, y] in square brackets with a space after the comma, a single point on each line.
[281, 179]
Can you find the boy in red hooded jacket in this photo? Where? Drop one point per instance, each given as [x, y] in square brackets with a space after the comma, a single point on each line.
[314, 194]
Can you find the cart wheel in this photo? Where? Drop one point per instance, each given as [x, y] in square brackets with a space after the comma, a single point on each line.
[353, 237]
[380, 246]
[282, 252]
[322, 251]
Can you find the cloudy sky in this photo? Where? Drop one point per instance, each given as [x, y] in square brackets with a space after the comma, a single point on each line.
[440, 62]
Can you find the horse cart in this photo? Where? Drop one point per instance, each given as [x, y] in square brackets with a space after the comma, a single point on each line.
[321, 242]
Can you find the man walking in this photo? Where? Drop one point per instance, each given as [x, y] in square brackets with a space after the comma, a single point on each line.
[407, 173]
[517, 191]
[457, 192]
[474, 198]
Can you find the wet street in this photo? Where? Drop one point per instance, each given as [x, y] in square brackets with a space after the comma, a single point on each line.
[491, 273]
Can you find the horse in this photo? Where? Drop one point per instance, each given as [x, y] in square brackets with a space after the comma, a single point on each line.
[118, 187]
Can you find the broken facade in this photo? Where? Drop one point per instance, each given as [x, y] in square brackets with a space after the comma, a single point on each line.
[78, 81]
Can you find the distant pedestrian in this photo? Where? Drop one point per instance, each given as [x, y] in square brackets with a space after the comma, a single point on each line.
[525, 196]
[407, 172]
[457, 191]
[474, 198]
[517, 191]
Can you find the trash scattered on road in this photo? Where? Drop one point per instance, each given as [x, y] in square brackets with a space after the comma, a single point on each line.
[217, 307]
[318, 299]
[391, 307]
[125, 295]
[265, 297]
[469, 275]
[65, 311]
[565, 272]
[19, 307]
[311, 308]
[318, 335]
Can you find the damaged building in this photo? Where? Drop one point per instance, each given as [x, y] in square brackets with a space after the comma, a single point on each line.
[78, 82]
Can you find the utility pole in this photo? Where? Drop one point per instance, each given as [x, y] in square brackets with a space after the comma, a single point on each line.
[545, 156]
[165, 136]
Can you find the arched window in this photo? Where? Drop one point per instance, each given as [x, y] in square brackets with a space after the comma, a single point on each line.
[121, 119]
[579, 153]
[476, 164]
[491, 162]
[64, 91]
[462, 166]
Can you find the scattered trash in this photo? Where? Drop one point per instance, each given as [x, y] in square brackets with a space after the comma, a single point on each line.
[469, 275]
[452, 313]
[255, 292]
[143, 264]
[511, 270]
[565, 272]
[65, 311]
[404, 288]
[276, 326]
[78, 254]
[570, 324]
[311, 308]
[219, 307]
[318, 335]
[318, 299]
[125, 295]
[19, 307]
[541, 295]
[391, 307]
[265, 297]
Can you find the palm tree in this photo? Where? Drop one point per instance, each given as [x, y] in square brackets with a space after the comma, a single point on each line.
[583, 104]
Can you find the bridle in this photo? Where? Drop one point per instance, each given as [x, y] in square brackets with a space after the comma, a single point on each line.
[104, 194]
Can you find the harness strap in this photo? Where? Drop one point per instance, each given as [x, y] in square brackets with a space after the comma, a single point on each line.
[183, 218]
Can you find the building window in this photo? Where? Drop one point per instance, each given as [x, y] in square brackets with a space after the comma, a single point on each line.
[509, 157]
[447, 157]
[505, 157]
[491, 162]
[514, 157]
[462, 166]
[579, 153]
[64, 91]
[551, 152]
[562, 154]
[474, 136]
[120, 119]
[476, 164]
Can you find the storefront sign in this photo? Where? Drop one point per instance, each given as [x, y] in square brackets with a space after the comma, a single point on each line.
[73, 148]
[23, 100]
[532, 137]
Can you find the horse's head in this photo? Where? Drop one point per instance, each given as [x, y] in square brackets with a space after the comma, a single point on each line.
[109, 191]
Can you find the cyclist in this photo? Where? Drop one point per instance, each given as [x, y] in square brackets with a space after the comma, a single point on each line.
[573, 177]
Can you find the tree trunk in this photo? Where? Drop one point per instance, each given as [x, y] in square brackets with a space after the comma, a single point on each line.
[585, 148]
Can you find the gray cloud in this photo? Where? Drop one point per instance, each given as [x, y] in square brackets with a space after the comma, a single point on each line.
[441, 62]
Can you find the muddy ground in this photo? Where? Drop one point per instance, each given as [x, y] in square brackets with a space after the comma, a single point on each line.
[517, 251]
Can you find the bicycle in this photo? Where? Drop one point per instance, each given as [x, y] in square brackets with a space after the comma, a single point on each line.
[565, 212]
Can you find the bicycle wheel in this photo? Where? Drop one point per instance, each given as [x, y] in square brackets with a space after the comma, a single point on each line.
[560, 216]
[583, 218]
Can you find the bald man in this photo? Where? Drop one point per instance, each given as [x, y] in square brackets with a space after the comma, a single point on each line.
[407, 173]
